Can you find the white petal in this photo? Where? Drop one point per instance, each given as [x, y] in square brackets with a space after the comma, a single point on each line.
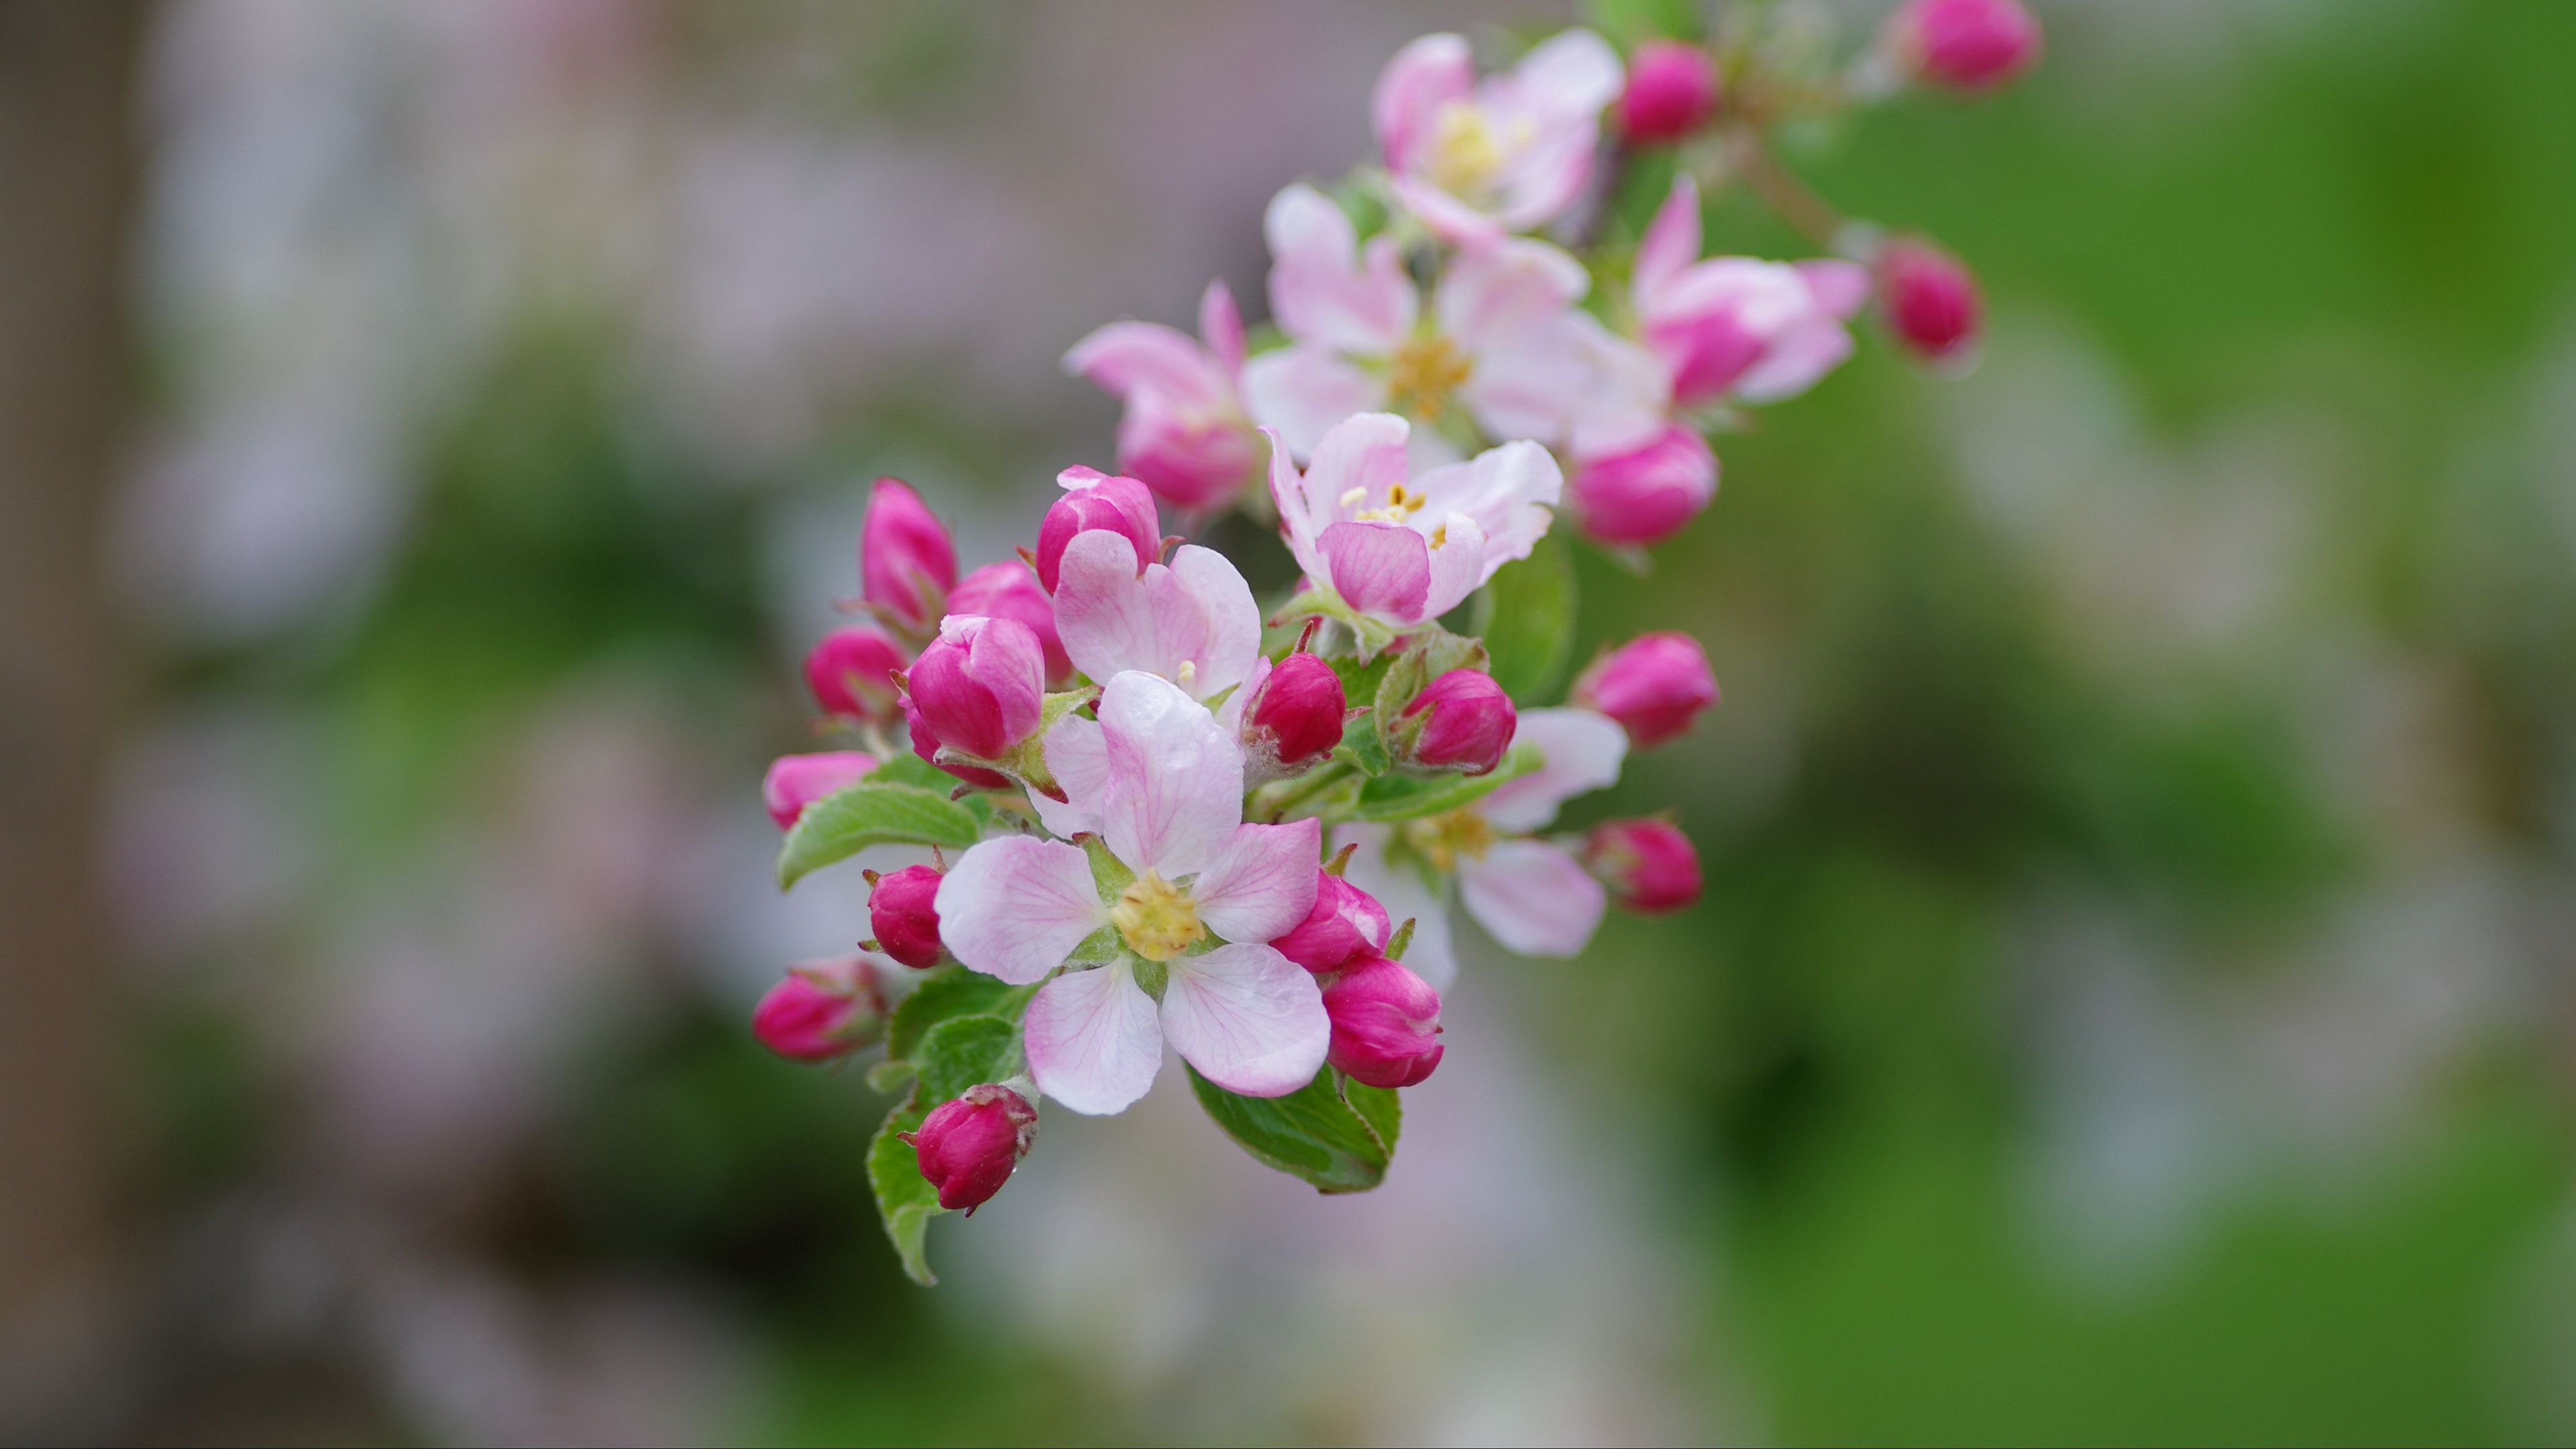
[1192, 622]
[1326, 288]
[1175, 777]
[1015, 908]
[1092, 1039]
[1303, 390]
[1262, 881]
[1583, 752]
[1532, 897]
[1251, 1020]
[1229, 621]
[1507, 491]
[1078, 755]
[1405, 897]
[1504, 290]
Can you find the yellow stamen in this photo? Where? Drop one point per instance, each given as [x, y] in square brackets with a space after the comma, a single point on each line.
[1351, 496]
[1156, 918]
[1444, 839]
[1423, 374]
[1465, 152]
[1188, 671]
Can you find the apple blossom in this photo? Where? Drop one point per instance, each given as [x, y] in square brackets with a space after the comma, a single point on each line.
[796, 781]
[1293, 714]
[980, 687]
[926, 745]
[1475, 160]
[1191, 621]
[1094, 500]
[850, 673]
[906, 563]
[1386, 1023]
[1344, 922]
[903, 914]
[1186, 433]
[1737, 327]
[821, 1010]
[1646, 494]
[1649, 865]
[1460, 721]
[1009, 590]
[967, 1148]
[1654, 685]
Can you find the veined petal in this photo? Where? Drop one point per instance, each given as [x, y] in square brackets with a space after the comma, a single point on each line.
[1175, 789]
[1533, 898]
[1230, 622]
[1671, 243]
[1304, 389]
[1093, 1040]
[1251, 1020]
[1405, 105]
[1507, 491]
[1229, 715]
[1406, 897]
[1130, 357]
[1078, 756]
[1582, 752]
[1323, 288]
[1460, 563]
[1261, 882]
[1016, 907]
[1192, 622]
[1380, 568]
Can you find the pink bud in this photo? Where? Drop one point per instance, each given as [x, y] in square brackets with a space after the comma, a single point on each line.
[906, 563]
[1653, 685]
[1648, 864]
[980, 685]
[1190, 459]
[796, 781]
[1007, 590]
[903, 914]
[1672, 89]
[1386, 1023]
[1644, 495]
[821, 1010]
[1466, 722]
[968, 1147]
[1966, 45]
[926, 745]
[1345, 922]
[850, 673]
[1929, 300]
[1296, 712]
[1092, 500]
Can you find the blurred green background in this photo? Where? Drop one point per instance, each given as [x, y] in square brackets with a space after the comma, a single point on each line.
[2135, 991]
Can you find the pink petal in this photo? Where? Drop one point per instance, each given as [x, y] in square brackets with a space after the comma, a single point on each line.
[1406, 897]
[1405, 106]
[1800, 356]
[1078, 756]
[1671, 242]
[1450, 219]
[1837, 288]
[1248, 1018]
[1379, 568]
[1533, 898]
[1016, 907]
[1261, 883]
[1304, 390]
[1130, 357]
[1460, 563]
[1508, 491]
[1230, 622]
[1092, 1039]
[1198, 612]
[1221, 327]
[1504, 290]
[1573, 73]
[1322, 289]
[1582, 752]
[1175, 789]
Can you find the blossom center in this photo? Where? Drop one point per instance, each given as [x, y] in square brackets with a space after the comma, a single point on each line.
[1401, 504]
[1157, 918]
[1422, 375]
[1465, 152]
[1443, 839]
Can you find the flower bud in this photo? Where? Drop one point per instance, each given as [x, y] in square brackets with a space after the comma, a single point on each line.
[1644, 495]
[1345, 922]
[1653, 685]
[1296, 713]
[1461, 721]
[1092, 500]
[926, 745]
[1648, 864]
[1964, 45]
[980, 686]
[1672, 89]
[968, 1147]
[902, 913]
[906, 563]
[821, 1010]
[1929, 300]
[1386, 1023]
[796, 781]
[1007, 590]
[851, 671]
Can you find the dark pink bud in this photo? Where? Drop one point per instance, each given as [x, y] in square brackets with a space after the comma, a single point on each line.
[1648, 864]
[1672, 89]
[1929, 300]
[1461, 721]
[980, 685]
[1643, 495]
[821, 1010]
[851, 674]
[1345, 922]
[903, 913]
[906, 563]
[1653, 685]
[1965, 45]
[1092, 499]
[1007, 590]
[926, 745]
[1386, 1023]
[1296, 712]
[968, 1147]
[796, 781]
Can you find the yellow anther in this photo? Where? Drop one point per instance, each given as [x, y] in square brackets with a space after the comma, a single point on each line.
[1156, 918]
[1445, 839]
[1422, 375]
[1188, 671]
[1465, 152]
[1351, 496]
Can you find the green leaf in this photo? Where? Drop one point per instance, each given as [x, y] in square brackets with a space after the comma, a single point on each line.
[1382, 1108]
[1432, 652]
[942, 993]
[953, 1055]
[1626, 22]
[963, 1051]
[1312, 1132]
[857, 816]
[1526, 618]
[1390, 798]
[911, 769]
[1362, 750]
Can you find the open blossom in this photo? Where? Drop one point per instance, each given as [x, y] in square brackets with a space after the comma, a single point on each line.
[906, 563]
[1008, 590]
[821, 1009]
[1475, 160]
[1185, 432]
[1194, 897]
[1528, 894]
[1654, 685]
[796, 781]
[1645, 494]
[1402, 550]
[1507, 349]
[1738, 327]
[1094, 500]
[850, 671]
[1191, 621]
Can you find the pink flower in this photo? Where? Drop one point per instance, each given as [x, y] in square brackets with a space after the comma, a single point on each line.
[1192, 621]
[1930, 301]
[1292, 714]
[1007, 590]
[926, 745]
[1344, 922]
[850, 672]
[1461, 721]
[1967, 45]
[1648, 864]
[903, 913]
[980, 686]
[1654, 686]
[821, 1010]
[796, 781]
[1093, 500]
[1672, 91]
[1509, 351]
[1185, 432]
[1187, 871]
[1404, 551]
[1474, 161]
[1386, 1023]
[906, 563]
[1736, 326]
[1646, 494]
[967, 1148]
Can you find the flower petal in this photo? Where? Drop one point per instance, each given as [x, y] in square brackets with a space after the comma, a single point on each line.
[1194, 620]
[1405, 105]
[1460, 562]
[1016, 907]
[1261, 882]
[1449, 218]
[1379, 568]
[1323, 288]
[1131, 357]
[1303, 390]
[1175, 788]
[1406, 898]
[1533, 898]
[1500, 291]
[1251, 1020]
[1672, 240]
[1507, 491]
[1836, 287]
[1077, 754]
[1092, 1039]
[1582, 752]
[1221, 327]
[1229, 620]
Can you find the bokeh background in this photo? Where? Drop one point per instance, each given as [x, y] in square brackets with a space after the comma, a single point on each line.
[2135, 997]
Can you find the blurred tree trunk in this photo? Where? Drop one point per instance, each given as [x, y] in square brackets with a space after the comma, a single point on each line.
[68, 167]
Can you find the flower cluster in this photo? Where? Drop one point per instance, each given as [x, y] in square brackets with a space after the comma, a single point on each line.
[1159, 813]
